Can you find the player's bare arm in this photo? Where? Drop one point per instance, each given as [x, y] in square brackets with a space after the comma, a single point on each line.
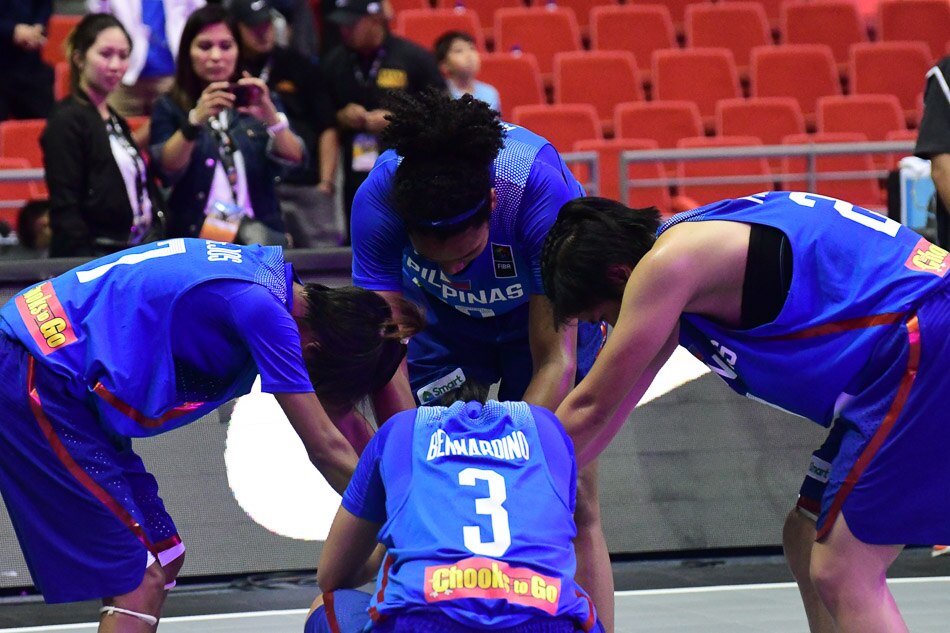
[553, 355]
[350, 544]
[326, 446]
[689, 269]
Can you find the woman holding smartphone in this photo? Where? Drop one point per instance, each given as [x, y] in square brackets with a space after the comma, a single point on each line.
[221, 141]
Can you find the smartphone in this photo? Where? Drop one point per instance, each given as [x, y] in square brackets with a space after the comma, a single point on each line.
[244, 95]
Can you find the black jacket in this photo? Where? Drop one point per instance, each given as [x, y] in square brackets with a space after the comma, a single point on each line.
[88, 198]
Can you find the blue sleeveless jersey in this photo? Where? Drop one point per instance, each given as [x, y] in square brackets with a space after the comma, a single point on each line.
[856, 275]
[480, 531]
[106, 326]
[503, 276]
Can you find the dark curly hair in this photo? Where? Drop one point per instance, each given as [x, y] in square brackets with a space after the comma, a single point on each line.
[358, 342]
[447, 147]
[590, 236]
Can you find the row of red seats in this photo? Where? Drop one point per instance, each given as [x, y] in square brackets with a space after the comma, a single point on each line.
[897, 20]
[741, 24]
[706, 76]
[759, 173]
[769, 119]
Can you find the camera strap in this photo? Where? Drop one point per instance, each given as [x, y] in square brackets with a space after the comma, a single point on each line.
[226, 149]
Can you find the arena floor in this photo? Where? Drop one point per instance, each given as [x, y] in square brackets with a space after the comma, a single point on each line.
[697, 595]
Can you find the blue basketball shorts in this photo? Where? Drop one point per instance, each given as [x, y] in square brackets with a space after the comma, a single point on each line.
[87, 514]
[347, 611]
[486, 350]
[889, 477]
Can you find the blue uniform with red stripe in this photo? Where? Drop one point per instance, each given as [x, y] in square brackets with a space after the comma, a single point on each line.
[133, 344]
[865, 294]
[477, 519]
[477, 320]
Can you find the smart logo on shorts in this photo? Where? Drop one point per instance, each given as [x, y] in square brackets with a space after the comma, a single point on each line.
[490, 579]
[45, 318]
[928, 258]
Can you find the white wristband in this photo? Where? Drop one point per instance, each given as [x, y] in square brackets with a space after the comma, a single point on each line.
[281, 125]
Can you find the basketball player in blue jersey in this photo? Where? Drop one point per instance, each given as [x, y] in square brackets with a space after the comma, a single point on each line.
[477, 524]
[454, 217]
[804, 302]
[142, 342]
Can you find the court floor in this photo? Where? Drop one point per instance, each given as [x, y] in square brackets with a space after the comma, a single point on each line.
[759, 608]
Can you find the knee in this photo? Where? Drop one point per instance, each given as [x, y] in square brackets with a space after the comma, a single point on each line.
[831, 578]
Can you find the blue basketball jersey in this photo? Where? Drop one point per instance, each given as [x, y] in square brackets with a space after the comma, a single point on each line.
[476, 525]
[855, 277]
[507, 272]
[106, 326]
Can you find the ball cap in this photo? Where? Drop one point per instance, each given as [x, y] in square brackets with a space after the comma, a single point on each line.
[349, 11]
[251, 12]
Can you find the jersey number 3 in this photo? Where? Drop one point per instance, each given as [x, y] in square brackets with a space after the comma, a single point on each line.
[491, 506]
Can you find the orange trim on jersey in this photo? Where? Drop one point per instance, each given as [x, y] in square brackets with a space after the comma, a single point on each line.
[75, 469]
[591, 620]
[837, 327]
[903, 392]
[375, 615]
[330, 610]
[140, 418]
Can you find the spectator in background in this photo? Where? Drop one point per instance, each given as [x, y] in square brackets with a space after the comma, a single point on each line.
[33, 231]
[26, 91]
[154, 26]
[933, 142]
[305, 192]
[459, 62]
[370, 63]
[221, 142]
[102, 196]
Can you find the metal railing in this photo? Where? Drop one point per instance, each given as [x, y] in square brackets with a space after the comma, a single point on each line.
[810, 152]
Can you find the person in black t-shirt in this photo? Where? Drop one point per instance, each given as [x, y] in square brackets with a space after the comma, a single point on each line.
[933, 142]
[370, 63]
[306, 191]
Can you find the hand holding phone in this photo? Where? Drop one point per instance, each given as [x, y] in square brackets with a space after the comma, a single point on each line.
[245, 94]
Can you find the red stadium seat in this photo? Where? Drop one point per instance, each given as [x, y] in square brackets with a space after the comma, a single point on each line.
[773, 11]
[835, 23]
[517, 78]
[725, 167]
[637, 28]
[61, 81]
[769, 119]
[922, 20]
[563, 125]
[608, 153]
[425, 26]
[398, 6]
[865, 192]
[57, 32]
[677, 10]
[543, 31]
[802, 71]
[616, 77]
[874, 116]
[701, 75]
[665, 122]
[897, 68]
[21, 139]
[484, 9]
[16, 191]
[738, 26]
[582, 9]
